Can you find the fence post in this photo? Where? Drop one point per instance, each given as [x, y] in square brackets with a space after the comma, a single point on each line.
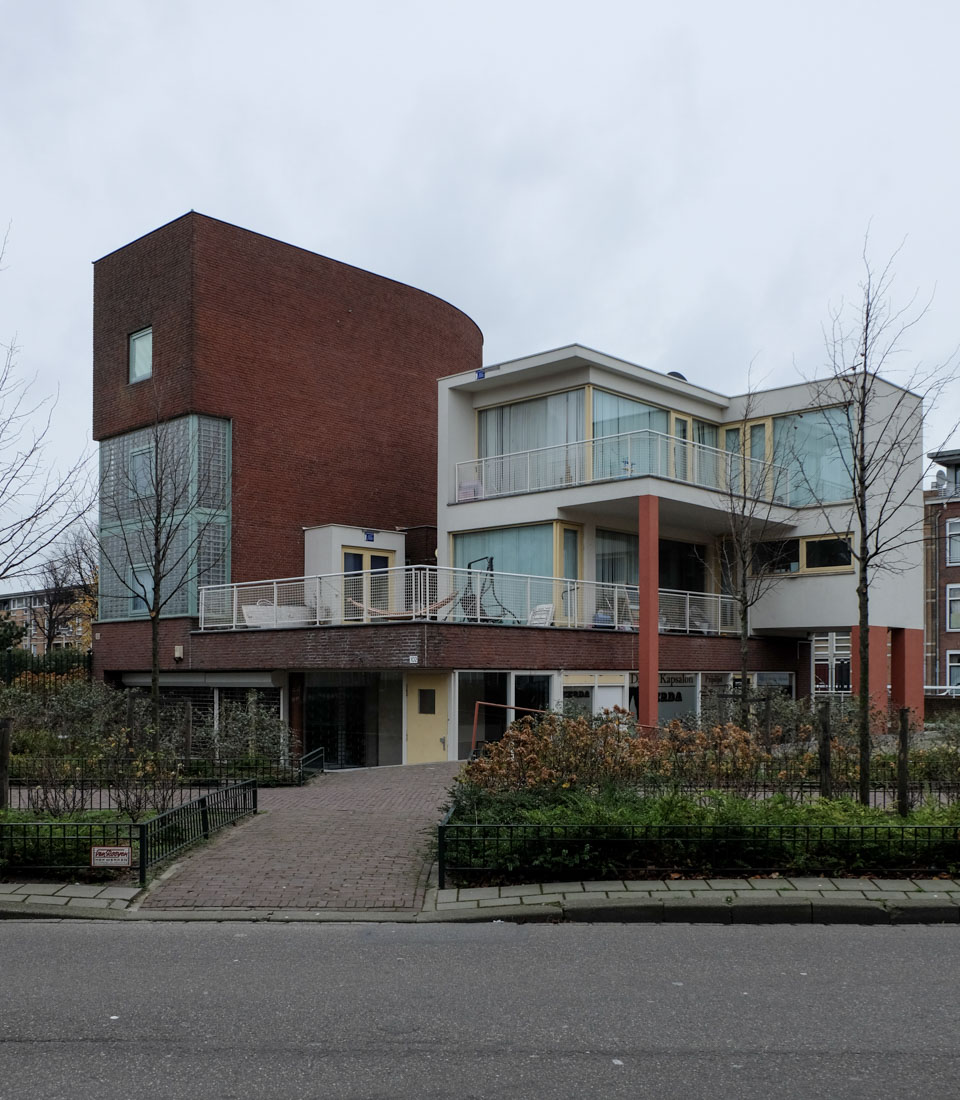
[903, 762]
[204, 818]
[441, 857]
[4, 763]
[142, 830]
[255, 792]
[768, 719]
[826, 777]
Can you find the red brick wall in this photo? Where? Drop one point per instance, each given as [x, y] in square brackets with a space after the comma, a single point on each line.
[327, 372]
[937, 513]
[436, 645]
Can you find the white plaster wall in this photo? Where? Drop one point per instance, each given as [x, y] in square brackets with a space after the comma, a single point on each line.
[322, 547]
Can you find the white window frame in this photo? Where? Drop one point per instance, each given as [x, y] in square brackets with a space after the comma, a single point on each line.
[953, 662]
[953, 596]
[140, 355]
[951, 536]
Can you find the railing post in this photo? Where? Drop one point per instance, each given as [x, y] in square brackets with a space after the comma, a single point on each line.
[204, 818]
[142, 840]
[826, 777]
[276, 604]
[236, 600]
[903, 762]
[4, 763]
[255, 790]
[441, 857]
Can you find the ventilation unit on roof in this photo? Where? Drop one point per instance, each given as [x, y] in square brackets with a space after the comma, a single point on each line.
[676, 374]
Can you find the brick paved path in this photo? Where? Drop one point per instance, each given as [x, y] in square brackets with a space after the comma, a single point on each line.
[347, 840]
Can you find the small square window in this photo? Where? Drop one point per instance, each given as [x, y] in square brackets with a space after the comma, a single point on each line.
[427, 701]
[141, 355]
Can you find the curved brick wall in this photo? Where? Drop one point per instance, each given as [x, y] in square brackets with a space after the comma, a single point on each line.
[327, 372]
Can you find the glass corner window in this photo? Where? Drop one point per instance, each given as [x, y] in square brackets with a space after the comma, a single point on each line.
[141, 355]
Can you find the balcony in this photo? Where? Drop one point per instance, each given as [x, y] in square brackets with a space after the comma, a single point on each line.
[616, 457]
[421, 593]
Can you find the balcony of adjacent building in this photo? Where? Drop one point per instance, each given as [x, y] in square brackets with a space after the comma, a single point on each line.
[472, 596]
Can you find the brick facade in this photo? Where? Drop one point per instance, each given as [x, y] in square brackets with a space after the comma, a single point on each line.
[328, 374]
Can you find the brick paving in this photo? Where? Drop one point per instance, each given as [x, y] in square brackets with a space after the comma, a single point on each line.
[346, 841]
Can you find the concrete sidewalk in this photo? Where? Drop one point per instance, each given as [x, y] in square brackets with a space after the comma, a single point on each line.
[713, 901]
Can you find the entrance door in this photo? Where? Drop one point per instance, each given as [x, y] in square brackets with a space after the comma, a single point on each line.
[427, 695]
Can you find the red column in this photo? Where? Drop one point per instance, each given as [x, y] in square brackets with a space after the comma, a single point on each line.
[648, 622]
[906, 671]
[877, 676]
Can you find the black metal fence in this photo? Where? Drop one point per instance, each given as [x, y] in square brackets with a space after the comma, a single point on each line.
[65, 845]
[530, 853]
[191, 772]
[46, 673]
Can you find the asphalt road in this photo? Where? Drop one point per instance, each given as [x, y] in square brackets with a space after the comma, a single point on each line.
[109, 1010]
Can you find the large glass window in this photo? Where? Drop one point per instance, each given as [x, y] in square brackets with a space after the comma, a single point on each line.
[815, 446]
[614, 415]
[683, 566]
[141, 355]
[527, 550]
[526, 425]
[480, 687]
[827, 553]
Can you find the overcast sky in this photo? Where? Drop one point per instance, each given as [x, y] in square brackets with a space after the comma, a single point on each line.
[686, 186]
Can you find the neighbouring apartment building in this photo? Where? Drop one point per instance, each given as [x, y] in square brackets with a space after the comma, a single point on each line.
[942, 573]
[31, 610]
[403, 547]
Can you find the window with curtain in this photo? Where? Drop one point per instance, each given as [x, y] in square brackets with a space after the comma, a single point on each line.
[526, 425]
[618, 555]
[618, 416]
[816, 447]
[527, 550]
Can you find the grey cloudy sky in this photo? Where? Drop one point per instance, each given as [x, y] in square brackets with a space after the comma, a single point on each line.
[683, 185]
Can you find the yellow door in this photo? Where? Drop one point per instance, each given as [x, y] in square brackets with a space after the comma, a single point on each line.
[427, 695]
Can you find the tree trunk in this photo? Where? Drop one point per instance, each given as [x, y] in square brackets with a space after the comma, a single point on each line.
[744, 666]
[155, 678]
[863, 695]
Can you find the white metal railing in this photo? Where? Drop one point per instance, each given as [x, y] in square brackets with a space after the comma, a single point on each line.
[422, 593]
[635, 454]
[951, 691]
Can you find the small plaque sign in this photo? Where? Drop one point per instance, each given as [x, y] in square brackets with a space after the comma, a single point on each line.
[115, 856]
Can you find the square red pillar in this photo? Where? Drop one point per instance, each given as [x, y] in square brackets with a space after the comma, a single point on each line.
[878, 672]
[906, 671]
[648, 610]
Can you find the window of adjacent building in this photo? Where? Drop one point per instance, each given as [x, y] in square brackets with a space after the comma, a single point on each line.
[953, 607]
[141, 355]
[953, 542]
[953, 668]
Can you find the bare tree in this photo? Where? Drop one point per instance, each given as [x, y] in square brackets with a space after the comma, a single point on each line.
[754, 497]
[876, 427]
[163, 523]
[68, 588]
[38, 502]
